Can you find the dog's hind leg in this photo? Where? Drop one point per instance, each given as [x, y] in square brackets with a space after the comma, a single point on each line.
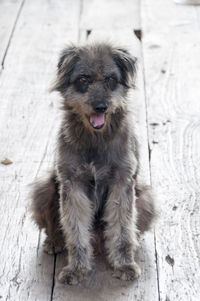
[45, 212]
[145, 207]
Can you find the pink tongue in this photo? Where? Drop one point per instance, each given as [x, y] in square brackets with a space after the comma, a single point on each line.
[97, 119]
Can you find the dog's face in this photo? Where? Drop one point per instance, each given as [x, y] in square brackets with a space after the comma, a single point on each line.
[93, 81]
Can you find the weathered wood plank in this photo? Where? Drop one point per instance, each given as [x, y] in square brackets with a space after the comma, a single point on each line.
[171, 46]
[100, 285]
[110, 14]
[9, 14]
[28, 122]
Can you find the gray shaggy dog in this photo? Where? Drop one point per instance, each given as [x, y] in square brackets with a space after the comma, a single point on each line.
[93, 189]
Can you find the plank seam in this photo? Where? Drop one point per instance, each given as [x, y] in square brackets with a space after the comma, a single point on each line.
[53, 277]
[157, 271]
[79, 20]
[12, 33]
[149, 148]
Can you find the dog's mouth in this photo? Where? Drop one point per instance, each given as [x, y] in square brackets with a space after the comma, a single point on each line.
[97, 120]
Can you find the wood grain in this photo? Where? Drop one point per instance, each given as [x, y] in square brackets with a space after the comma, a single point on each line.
[110, 14]
[171, 48]
[28, 122]
[9, 14]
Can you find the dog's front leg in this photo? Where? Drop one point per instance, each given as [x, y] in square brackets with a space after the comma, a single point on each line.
[120, 232]
[76, 217]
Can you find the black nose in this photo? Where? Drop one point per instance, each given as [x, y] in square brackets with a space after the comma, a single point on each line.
[101, 108]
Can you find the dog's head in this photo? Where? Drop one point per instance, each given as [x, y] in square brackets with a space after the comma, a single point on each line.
[93, 81]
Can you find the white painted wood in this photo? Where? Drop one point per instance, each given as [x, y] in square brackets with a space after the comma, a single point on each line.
[188, 2]
[9, 10]
[171, 47]
[110, 14]
[28, 122]
[100, 285]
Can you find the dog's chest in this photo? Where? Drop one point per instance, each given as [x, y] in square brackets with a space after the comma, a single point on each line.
[95, 157]
[99, 171]
[97, 166]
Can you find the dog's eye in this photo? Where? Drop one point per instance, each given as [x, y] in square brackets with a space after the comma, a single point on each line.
[112, 83]
[83, 80]
[81, 84]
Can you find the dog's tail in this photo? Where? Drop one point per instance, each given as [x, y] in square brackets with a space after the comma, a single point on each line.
[45, 203]
[145, 207]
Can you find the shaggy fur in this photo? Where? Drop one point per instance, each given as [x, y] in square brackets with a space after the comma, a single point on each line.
[93, 187]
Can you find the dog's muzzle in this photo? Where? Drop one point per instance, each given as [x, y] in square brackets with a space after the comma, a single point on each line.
[97, 120]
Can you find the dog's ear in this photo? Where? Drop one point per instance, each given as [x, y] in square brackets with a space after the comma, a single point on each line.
[67, 61]
[127, 65]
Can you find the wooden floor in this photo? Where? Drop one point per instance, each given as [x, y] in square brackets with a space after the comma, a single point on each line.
[167, 107]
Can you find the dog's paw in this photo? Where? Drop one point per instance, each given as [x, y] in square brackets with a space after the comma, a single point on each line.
[127, 272]
[71, 277]
[51, 248]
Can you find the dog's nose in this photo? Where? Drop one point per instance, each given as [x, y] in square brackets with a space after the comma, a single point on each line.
[101, 108]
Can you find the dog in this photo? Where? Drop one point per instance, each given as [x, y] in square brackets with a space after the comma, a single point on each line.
[93, 187]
